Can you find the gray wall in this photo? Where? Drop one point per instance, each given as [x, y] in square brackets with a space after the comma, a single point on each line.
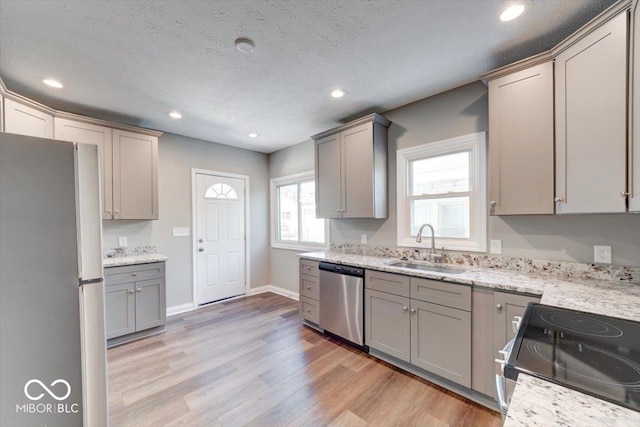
[283, 263]
[458, 112]
[177, 155]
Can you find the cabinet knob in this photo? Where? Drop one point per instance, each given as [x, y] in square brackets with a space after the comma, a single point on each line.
[492, 203]
[624, 194]
[413, 310]
[109, 211]
[404, 308]
[308, 310]
[200, 240]
[139, 290]
[308, 287]
[134, 274]
[307, 268]
[200, 249]
[559, 199]
[499, 306]
[130, 291]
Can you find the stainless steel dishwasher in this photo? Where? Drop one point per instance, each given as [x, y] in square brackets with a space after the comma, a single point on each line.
[342, 301]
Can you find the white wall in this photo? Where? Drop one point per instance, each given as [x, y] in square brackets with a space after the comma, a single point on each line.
[462, 111]
[283, 263]
[177, 155]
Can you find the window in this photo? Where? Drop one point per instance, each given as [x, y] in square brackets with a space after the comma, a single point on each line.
[444, 184]
[221, 191]
[293, 214]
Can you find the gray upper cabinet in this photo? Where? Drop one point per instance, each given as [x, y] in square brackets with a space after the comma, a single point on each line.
[521, 136]
[86, 133]
[351, 169]
[591, 119]
[23, 119]
[135, 175]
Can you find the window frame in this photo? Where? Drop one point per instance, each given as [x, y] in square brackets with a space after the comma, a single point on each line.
[288, 244]
[476, 144]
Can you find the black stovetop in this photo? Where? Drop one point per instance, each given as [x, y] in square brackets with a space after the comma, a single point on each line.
[598, 355]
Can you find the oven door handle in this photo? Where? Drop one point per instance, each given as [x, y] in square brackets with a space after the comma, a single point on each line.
[501, 390]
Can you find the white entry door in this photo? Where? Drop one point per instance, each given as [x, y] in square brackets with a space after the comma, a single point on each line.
[220, 243]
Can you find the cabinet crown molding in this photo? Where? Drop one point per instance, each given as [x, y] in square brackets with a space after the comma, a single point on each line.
[523, 64]
[375, 117]
[610, 13]
[6, 93]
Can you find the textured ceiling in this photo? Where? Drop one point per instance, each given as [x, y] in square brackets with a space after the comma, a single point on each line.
[132, 61]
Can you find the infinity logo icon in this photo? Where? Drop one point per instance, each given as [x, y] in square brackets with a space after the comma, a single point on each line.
[47, 389]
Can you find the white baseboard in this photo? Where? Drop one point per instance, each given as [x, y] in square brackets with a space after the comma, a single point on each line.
[177, 309]
[276, 290]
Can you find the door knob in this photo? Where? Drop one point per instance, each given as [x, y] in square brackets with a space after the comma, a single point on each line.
[200, 249]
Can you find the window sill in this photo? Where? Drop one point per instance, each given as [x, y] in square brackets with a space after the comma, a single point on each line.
[300, 247]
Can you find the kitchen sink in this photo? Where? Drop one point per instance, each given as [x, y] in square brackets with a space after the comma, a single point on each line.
[405, 264]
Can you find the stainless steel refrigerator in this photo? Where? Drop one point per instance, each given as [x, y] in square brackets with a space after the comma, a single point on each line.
[52, 327]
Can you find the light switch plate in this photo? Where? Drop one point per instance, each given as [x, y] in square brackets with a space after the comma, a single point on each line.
[496, 247]
[180, 231]
[602, 254]
[122, 241]
[363, 239]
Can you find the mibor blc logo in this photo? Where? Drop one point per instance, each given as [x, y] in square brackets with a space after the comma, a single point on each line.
[36, 390]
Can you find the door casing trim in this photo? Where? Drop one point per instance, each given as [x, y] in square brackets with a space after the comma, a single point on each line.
[194, 240]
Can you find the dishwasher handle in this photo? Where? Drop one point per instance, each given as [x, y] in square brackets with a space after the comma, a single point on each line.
[341, 269]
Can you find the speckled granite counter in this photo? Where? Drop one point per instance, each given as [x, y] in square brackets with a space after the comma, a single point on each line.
[133, 259]
[536, 402]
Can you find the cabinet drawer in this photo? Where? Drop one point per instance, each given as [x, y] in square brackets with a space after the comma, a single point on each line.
[133, 273]
[395, 284]
[310, 286]
[309, 309]
[442, 293]
[309, 268]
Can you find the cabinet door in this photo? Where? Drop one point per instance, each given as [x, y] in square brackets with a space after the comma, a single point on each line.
[387, 324]
[357, 172]
[85, 133]
[135, 176]
[521, 142]
[328, 177]
[441, 341]
[150, 304]
[506, 307]
[25, 120]
[634, 125]
[591, 101]
[120, 310]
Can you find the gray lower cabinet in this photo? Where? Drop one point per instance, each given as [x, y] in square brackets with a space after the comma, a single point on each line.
[387, 323]
[310, 292]
[441, 341]
[134, 298]
[405, 324]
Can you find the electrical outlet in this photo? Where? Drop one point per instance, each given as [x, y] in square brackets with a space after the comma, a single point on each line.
[180, 231]
[602, 254]
[363, 239]
[122, 241]
[496, 247]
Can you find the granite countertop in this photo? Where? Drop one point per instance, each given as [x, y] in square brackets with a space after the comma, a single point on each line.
[536, 402]
[133, 259]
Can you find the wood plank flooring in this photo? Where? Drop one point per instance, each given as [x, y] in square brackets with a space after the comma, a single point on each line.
[250, 361]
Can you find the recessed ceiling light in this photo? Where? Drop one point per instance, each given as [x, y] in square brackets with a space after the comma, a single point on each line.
[245, 45]
[253, 135]
[175, 115]
[53, 83]
[338, 93]
[512, 12]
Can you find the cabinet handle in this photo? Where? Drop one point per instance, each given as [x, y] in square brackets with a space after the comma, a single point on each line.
[499, 306]
[139, 290]
[559, 199]
[130, 291]
[404, 308]
[624, 194]
[413, 310]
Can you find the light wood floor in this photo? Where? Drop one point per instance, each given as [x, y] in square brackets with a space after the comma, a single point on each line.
[250, 361]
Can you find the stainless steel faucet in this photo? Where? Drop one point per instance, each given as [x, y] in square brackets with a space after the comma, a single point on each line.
[433, 239]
